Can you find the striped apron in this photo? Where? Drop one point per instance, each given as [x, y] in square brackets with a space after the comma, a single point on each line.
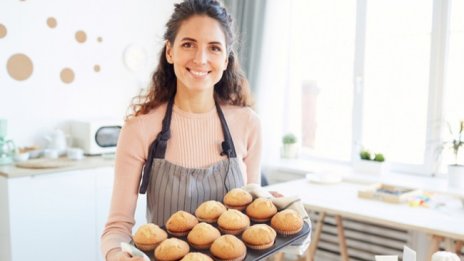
[171, 187]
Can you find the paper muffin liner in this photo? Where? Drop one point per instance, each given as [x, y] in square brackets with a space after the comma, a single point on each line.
[260, 220]
[201, 247]
[146, 247]
[288, 233]
[239, 208]
[240, 258]
[260, 247]
[232, 231]
[209, 221]
[178, 234]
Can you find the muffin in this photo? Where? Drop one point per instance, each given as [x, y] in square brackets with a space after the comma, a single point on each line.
[148, 236]
[287, 222]
[209, 211]
[238, 199]
[259, 236]
[180, 223]
[228, 247]
[171, 249]
[233, 222]
[261, 210]
[195, 256]
[202, 235]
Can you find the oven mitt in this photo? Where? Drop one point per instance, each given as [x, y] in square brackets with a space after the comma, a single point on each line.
[292, 202]
[133, 251]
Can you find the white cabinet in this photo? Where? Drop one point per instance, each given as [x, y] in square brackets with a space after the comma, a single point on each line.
[57, 216]
[104, 181]
[52, 216]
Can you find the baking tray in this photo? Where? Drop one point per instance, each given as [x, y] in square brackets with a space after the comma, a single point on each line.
[253, 254]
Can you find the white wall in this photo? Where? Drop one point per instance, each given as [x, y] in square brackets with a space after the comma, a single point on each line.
[37, 105]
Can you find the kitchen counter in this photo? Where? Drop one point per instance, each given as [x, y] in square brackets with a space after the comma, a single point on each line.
[60, 165]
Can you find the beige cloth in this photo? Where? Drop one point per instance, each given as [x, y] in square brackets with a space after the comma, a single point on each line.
[291, 202]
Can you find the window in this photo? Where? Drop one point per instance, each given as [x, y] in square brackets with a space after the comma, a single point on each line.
[327, 93]
[376, 74]
[396, 82]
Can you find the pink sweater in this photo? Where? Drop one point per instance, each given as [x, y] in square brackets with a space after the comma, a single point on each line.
[195, 142]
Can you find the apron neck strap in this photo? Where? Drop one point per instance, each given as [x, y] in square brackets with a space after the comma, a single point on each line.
[228, 147]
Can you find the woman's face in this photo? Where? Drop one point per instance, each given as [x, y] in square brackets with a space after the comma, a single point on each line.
[198, 54]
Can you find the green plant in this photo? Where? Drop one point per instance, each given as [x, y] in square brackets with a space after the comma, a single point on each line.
[289, 138]
[456, 142]
[367, 155]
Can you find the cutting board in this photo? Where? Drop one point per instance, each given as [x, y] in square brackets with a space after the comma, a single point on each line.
[45, 163]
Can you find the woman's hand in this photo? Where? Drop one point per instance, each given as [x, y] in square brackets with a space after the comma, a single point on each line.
[118, 255]
[276, 194]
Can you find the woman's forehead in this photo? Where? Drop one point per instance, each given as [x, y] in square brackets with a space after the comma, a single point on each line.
[201, 29]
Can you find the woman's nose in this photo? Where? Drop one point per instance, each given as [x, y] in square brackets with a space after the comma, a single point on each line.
[201, 56]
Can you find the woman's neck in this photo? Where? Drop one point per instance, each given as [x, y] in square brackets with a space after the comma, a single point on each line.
[198, 102]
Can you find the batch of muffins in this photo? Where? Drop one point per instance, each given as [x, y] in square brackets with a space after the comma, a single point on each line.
[236, 236]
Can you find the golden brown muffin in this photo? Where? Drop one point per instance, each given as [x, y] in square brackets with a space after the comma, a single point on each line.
[171, 249]
[261, 210]
[203, 235]
[259, 236]
[233, 222]
[238, 199]
[228, 247]
[209, 211]
[180, 223]
[148, 236]
[287, 222]
[195, 256]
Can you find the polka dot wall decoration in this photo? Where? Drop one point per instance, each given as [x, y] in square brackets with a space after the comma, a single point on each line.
[51, 22]
[67, 75]
[20, 67]
[81, 36]
[3, 31]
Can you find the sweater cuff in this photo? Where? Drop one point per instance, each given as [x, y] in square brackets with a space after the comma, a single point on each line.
[112, 241]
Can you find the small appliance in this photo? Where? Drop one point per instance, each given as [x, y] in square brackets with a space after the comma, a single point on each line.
[96, 136]
[7, 147]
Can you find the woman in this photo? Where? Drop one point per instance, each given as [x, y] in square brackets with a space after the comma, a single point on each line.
[194, 137]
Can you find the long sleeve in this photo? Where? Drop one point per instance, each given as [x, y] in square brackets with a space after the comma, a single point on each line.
[130, 157]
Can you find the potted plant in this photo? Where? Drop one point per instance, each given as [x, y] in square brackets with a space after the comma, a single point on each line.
[372, 163]
[456, 145]
[289, 148]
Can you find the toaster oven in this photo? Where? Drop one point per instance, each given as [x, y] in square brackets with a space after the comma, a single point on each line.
[96, 137]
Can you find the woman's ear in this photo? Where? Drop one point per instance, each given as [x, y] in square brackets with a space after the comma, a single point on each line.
[169, 52]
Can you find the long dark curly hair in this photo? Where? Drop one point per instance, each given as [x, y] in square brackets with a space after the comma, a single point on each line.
[233, 87]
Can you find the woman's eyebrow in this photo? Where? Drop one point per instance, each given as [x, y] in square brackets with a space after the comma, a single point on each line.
[193, 40]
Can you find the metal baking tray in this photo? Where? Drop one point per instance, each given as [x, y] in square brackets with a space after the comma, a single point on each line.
[252, 254]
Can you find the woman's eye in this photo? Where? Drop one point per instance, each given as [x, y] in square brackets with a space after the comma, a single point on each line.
[216, 48]
[187, 45]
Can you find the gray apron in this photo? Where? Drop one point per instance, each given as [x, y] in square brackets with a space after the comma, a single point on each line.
[171, 187]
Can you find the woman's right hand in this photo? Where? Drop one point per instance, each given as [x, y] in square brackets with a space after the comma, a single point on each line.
[119, 255]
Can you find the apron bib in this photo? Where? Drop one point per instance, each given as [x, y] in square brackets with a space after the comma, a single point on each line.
[171, 187]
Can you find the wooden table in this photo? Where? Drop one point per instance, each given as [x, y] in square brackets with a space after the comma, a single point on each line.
[341, 200]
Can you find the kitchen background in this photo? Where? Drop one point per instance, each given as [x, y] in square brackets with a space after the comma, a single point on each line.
[394, 83]
[78, 60]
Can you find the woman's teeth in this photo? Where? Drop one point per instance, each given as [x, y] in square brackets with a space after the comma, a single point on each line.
[198, 73]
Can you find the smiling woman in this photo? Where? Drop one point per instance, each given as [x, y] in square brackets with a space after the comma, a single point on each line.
[199, 57]
[193, 136]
